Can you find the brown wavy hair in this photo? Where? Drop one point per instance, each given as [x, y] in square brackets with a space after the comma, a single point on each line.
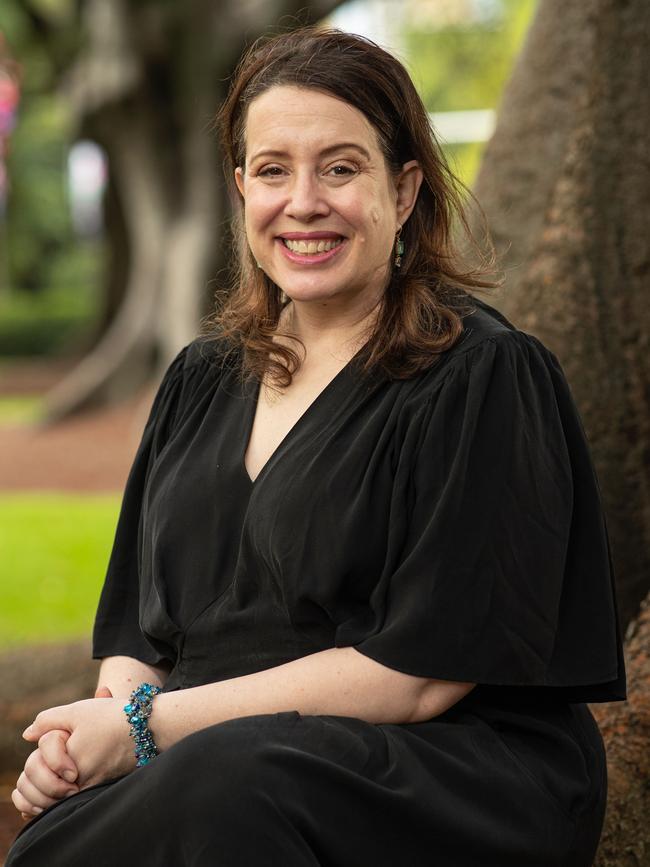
[420, 315]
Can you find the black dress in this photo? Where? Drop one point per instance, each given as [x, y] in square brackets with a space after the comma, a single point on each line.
[448, 526]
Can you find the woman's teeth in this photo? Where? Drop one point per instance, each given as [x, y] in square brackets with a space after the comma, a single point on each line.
[311, 247]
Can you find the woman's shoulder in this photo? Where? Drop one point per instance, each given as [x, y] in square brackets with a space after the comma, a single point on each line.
[196, 369]
[487, 332]
[206, 357]
[490, 348]
[485, 325]
[208, 351]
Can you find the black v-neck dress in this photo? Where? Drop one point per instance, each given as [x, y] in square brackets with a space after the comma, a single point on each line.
[448, 526]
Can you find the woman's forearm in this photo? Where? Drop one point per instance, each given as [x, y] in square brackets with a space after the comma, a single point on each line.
[340, 681]
[121, 674]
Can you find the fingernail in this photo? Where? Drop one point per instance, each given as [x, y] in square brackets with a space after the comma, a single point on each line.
[27, 731]
[70, 792]
[69, 775]
[37, 809]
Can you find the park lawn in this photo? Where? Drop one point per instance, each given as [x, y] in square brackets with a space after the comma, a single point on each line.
[22, 409]
[54, 549]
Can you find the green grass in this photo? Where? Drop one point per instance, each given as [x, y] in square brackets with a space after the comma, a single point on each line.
[54, 549]
[21, 409]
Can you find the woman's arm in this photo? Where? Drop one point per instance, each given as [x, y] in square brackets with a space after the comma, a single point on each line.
[340, 681]
[122, 674]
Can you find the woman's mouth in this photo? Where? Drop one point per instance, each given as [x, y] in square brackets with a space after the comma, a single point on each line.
[311, 251]
[311, 247]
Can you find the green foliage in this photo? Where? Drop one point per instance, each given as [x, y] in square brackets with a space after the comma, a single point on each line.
[38, 226]
[54, 549]
[44, 323]
[465, 66]
[49, 280]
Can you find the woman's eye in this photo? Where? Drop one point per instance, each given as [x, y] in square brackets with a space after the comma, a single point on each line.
[341, 170]
[270, 172]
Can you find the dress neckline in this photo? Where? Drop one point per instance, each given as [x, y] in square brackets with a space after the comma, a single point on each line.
[301, 423]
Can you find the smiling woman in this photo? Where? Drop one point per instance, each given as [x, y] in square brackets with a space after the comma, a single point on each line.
[323, 179]
[361, 549]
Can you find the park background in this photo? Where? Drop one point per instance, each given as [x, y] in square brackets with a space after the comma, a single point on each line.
[113, 219]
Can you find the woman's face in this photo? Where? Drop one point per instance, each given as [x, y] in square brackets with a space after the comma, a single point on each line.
[321, 209]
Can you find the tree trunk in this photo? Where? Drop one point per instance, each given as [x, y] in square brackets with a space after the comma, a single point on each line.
[626, 731]
[146, 90]
[565, 186]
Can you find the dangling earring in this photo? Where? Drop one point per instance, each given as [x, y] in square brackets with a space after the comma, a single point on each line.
[399, 248]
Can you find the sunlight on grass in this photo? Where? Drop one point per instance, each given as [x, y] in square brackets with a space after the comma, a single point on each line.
[20, 409]
[54, 549]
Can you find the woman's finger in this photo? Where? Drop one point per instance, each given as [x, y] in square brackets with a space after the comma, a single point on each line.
[47, 720]
[31, 794]
[53, 752]
[45, 780]
[27, 809]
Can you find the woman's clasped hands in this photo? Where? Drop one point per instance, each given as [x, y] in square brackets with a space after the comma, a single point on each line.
[79, 745]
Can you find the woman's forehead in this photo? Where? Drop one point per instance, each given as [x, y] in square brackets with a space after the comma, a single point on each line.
[289, 118]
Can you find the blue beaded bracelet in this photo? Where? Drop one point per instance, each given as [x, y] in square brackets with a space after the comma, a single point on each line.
[138, 712]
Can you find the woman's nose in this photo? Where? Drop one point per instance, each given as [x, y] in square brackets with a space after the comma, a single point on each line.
[306, 197]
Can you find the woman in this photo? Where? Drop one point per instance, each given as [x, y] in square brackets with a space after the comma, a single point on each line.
[361, 547]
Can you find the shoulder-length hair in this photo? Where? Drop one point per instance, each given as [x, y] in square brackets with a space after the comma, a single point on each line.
[421, 312]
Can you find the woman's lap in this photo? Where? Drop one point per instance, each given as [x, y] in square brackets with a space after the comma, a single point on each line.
[285, 790]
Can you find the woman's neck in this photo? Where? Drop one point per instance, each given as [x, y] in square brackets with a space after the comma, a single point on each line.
[340, 333]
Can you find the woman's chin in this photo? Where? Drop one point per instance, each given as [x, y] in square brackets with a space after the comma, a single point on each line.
[313, 296]
[311, 290]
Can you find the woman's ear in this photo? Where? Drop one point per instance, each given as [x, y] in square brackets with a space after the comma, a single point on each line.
[239, 180]
[407, 184]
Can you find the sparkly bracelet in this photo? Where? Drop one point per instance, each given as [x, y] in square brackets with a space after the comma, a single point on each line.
[138, 712]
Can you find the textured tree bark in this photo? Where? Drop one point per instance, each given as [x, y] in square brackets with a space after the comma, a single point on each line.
[149, 82]
[566, 189]
[626, 731]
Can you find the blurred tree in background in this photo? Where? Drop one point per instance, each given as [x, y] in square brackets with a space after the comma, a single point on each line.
[143, 80]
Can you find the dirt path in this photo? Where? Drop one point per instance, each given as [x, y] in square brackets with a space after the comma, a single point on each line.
[90, 453]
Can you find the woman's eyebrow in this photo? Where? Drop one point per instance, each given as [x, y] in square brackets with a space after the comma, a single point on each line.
[328, 150]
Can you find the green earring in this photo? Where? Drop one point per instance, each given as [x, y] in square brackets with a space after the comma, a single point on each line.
[399, 248]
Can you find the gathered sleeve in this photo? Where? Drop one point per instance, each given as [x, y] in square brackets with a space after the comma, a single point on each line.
[505, 577]
[116, 629]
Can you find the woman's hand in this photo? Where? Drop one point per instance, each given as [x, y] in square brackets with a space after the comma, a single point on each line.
[47, 769]
[49, 776]
[49, 773]
[99, 742]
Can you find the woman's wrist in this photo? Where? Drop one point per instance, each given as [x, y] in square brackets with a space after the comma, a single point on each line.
[138, 710]
[157, 721]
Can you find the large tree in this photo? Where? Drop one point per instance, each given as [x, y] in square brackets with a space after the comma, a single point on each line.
[145, 85]
[566, 188]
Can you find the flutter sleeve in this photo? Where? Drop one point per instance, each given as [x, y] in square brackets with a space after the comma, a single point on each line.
[506, 576]
[116, 629]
